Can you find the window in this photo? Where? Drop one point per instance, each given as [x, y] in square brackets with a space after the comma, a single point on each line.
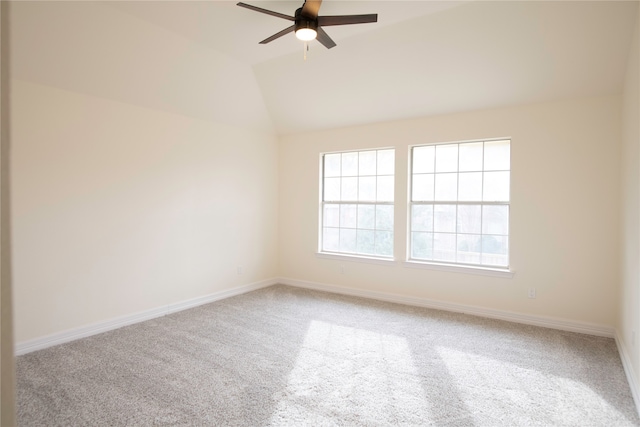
[357, 203]
[459, 204]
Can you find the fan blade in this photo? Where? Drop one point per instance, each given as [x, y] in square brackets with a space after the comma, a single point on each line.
[268, 12]
[324, 38]
[311, 8]
[278, 35]
[347, 19]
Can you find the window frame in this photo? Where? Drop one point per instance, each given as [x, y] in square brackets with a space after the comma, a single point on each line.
[456, 266]
[356, 256]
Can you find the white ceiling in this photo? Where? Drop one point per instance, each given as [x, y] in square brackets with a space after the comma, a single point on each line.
[421, 58]
[236, 31]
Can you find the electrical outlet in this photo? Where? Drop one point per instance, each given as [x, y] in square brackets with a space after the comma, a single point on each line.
[240, 270]
[531, 293]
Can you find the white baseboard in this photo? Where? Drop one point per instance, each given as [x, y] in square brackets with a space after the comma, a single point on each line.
[547, 322]
[108, 325]
[96, 328]
[628, 370]
[228, 293]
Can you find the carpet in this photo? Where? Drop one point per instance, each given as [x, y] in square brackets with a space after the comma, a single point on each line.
[284, 356]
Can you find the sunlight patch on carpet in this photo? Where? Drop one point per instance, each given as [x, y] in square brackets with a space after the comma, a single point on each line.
[354, 375]
[539, 397]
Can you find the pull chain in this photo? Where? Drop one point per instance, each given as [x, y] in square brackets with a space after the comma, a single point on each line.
[306, 48]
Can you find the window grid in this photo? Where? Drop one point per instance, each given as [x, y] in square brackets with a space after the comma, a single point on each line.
[356, 231]
[484, 257]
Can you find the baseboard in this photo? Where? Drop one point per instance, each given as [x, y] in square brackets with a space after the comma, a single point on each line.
[108, 325]
[86, 331]
[96, 328]
[547, 322]
[228, 293]
[628, 370]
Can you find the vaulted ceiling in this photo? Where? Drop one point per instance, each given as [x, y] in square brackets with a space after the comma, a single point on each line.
[203, 59]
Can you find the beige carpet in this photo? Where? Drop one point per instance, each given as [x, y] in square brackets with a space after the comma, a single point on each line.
[287, 356]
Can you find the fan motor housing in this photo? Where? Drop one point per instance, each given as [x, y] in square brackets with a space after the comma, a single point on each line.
[303, 21]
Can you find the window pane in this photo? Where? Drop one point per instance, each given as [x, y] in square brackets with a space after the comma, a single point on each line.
[386, 162]
[444, 218]
[331, 216]
[349, 189]
[348, 216]
[422, 218]
[366, 216]
[384, 243]
[349, 164]
[497, 155]
[469, 248]
[471, 157]
[470, 187]
[446, 186]
[423, 188]
[495, 220]
[469, 219]
[367, 188]
[496, 187]
[447, 158]
[421, 245]
[353, 182]
[367, 163]
[385, 189]
[347, 240]
[384, 217]
[332, 165]
[331, 239]
[495, 250]
[444, 247]
[332, 189]
[366, 242]
[454, 224]
[424, 159]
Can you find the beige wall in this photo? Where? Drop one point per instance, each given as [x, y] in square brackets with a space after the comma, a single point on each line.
[144, 168]
[629, 304]
[119, 209]
[564, 209]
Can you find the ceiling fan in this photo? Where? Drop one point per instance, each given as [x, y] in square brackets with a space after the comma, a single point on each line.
[308, 25]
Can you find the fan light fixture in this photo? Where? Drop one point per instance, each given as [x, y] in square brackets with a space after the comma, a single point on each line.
[306, 29]
[306, 34]
[308, 25]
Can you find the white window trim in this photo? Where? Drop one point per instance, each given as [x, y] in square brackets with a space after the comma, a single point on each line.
[460, 268]
[443, 266]
[356, 258]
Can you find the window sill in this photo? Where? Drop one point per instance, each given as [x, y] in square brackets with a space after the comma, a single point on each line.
[482, 271]
[356, 258]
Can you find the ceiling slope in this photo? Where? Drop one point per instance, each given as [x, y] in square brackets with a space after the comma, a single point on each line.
[95, 49]
[202, 59]
[475, 56]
